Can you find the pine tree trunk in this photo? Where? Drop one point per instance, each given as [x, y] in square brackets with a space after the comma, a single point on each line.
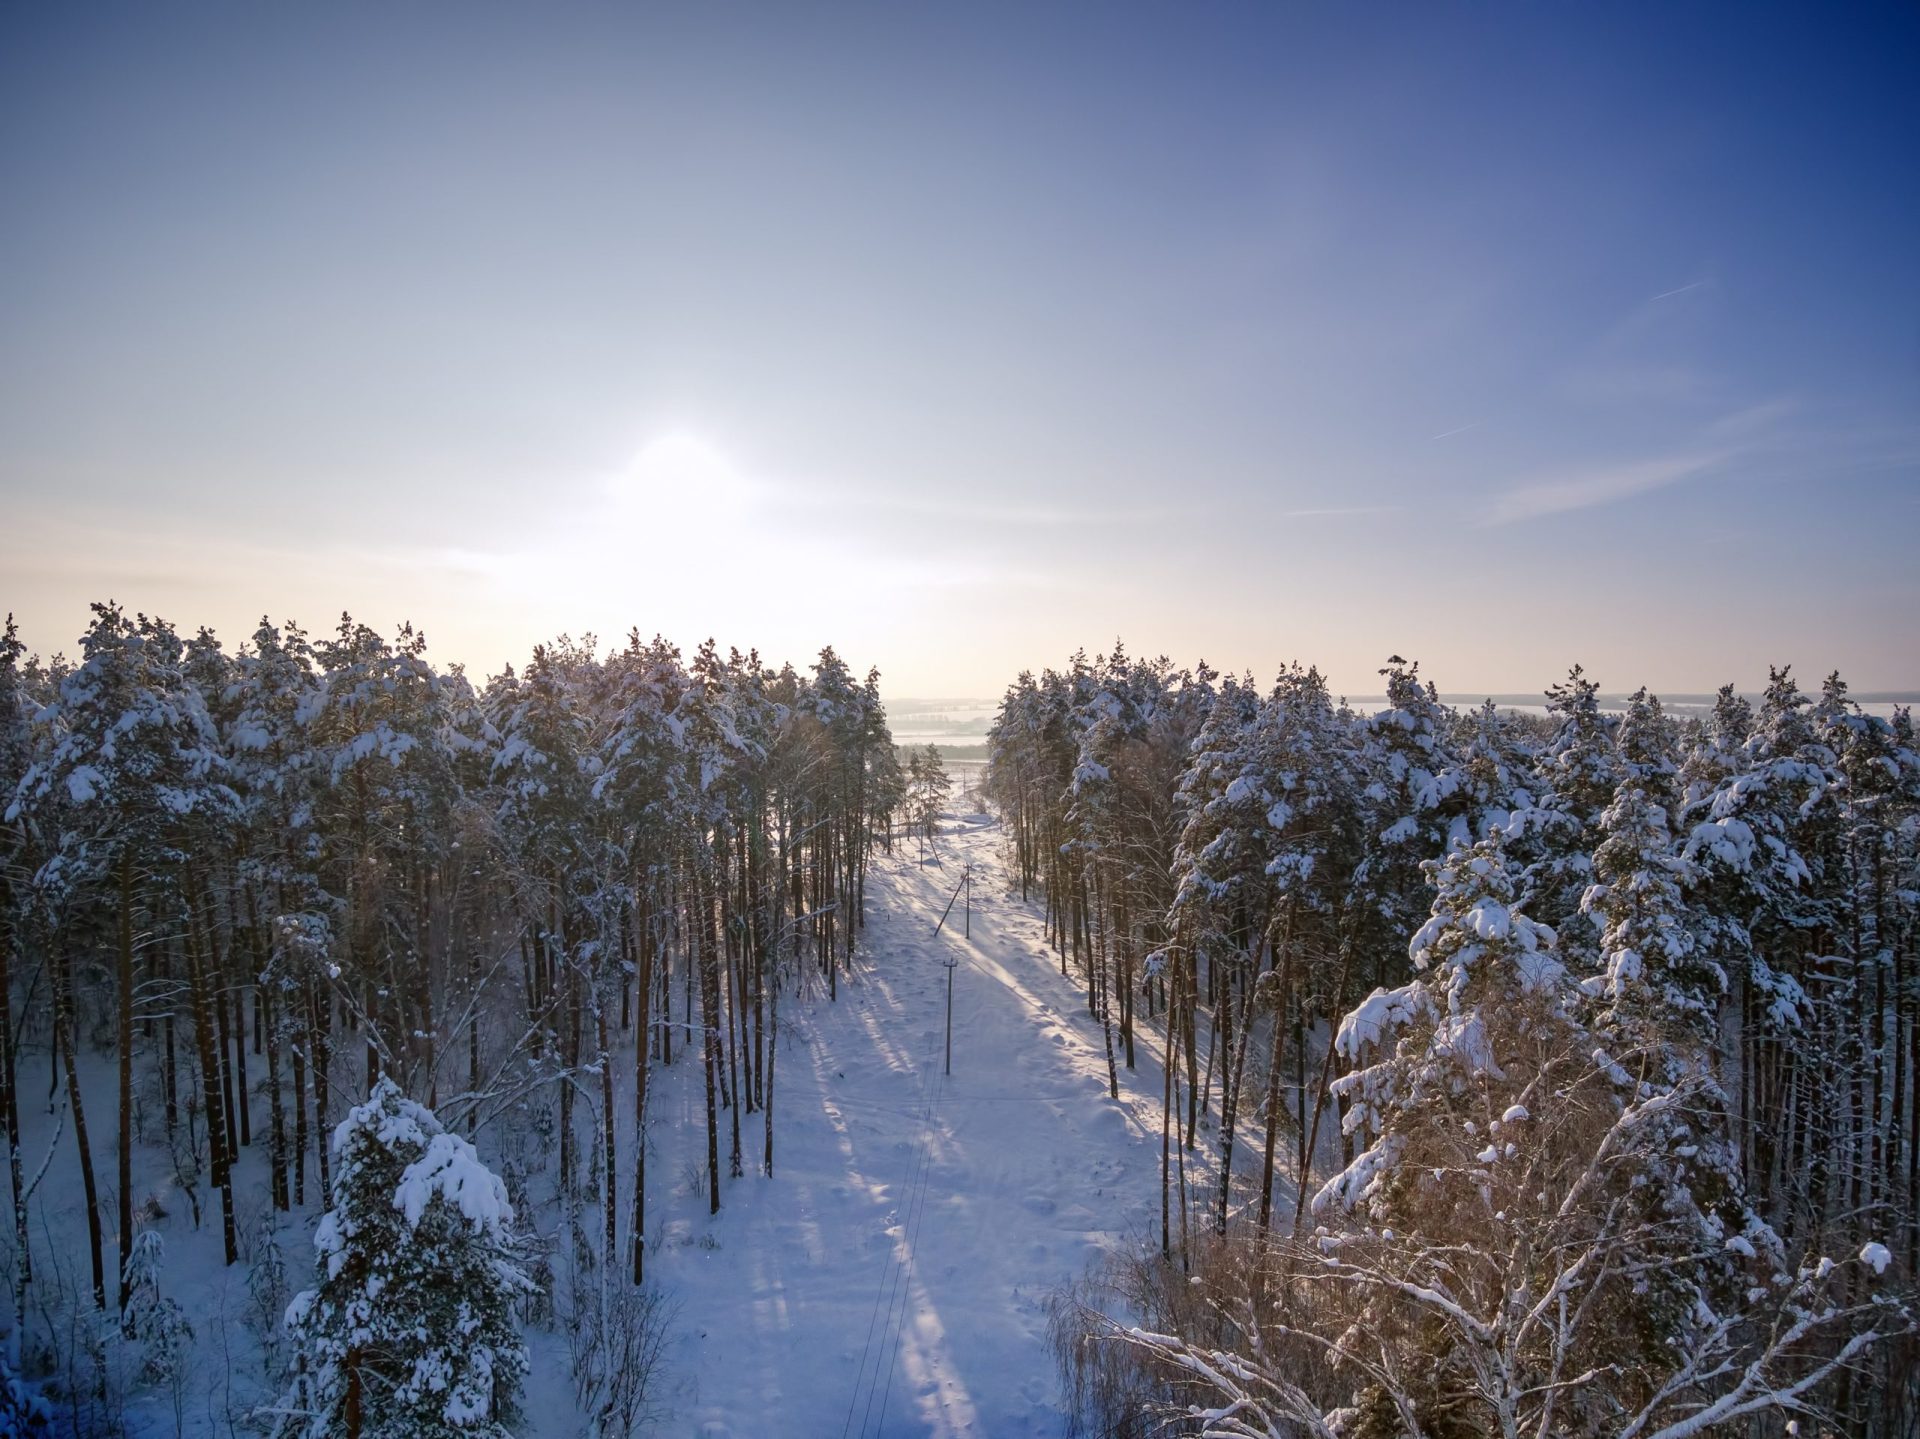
[10, 1116]
[643, 1026]
[234, 992]
[267, 1036]
[268, 1020]
[1180, 1179]
[125, 1175]
[1300, 1083]
[1189, 1037]
[1233, 1056]
[170, 1061]
[351, 1408]
[760, 959]
[473, 1037]
[773, 1053]
[664, 954]
[1170, 1063]
[68, 1031]
[564, 986]
[317, 1016]
[1106, 1028]
[297, 1052]
[730, 999]
[206, 1039]
[610, 1175]
[213, 995]
[1320, 1099]
[709, 959]
[1123, 928]
[1273, 1102]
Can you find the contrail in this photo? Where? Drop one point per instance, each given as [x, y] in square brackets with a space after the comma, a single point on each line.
[1669, 294]
[1448, 434]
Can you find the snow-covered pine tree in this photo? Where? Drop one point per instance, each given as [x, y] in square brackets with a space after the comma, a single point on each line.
[1222, 902]
[1500, 1256]
[1489, 1119]
[1649, 749]
[641, 781]
[1657, 1022]
[1581, 770]
[1873, 862]
[410, 1331]
[152, 1319]
[1498, 777]
[273, 697]
[1660, 990]
[1409, 803]
[23, 1413]
[884, 783]
[1756, 818]
[933, 787]
[1315, 771]
[540, 776]
[1016, 778]
[129, 782]
[718, 756]
[1476, 1031]
[386, 787]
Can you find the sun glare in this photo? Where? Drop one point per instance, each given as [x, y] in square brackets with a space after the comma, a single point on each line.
[684, 474]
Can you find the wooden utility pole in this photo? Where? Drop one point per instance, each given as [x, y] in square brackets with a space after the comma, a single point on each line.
[952, 964]
[966, 884]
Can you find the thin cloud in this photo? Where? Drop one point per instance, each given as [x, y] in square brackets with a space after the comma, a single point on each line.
[1754, 434]
[1633, 361]
[450, 558]
[1583, 490]
[1669, 294]
[1755, 423]
[983, 510]
[1632, 384]
[1335, 510]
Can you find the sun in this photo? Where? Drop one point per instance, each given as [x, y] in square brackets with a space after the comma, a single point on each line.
[682, 475]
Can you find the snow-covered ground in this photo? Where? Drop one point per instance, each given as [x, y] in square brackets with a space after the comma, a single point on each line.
[889, 1280]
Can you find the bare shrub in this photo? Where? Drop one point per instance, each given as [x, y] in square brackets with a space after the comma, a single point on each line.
[618, 1336]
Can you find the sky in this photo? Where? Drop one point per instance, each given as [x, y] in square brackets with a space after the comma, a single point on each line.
[960, 336]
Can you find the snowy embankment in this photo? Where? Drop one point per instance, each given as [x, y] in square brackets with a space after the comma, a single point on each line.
[890, 1279]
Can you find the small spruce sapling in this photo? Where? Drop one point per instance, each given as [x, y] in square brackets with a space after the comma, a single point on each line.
[410, 1332]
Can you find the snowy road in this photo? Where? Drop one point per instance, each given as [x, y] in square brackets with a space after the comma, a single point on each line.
[890, 1280]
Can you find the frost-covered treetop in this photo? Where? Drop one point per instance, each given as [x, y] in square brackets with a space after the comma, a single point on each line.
[1475, 928]
[1583, 763]
[129, 749]
[1655, 977]
[388, 1117]
[447, 1168]
[1479, 962]
[412, 1320]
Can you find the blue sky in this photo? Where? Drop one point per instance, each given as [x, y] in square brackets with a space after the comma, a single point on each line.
[1501, 336]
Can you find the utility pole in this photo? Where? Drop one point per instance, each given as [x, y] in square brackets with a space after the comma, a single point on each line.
[952, 964]
[966, 884]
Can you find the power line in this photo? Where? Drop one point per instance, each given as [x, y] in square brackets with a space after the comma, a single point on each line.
[894, 1267]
